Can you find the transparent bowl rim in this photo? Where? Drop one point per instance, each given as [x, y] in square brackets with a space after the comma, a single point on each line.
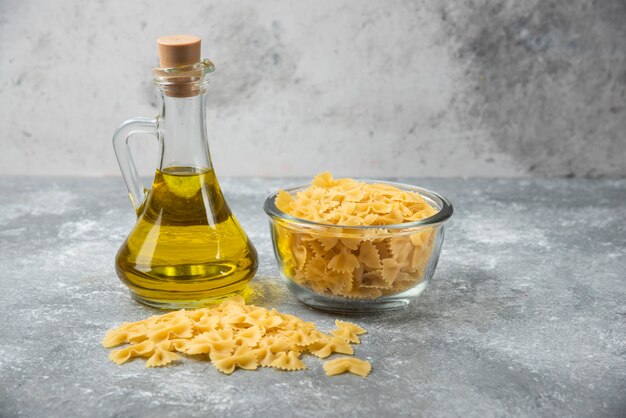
[444, 206]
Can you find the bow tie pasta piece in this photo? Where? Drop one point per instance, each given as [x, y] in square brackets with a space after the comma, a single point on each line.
[217, 342]
[400, 247]
[374, 280]
[338, 283]
[368, 255]
[288, 361]
[250, 336]
[394, 217]
[263, 318]
[269, 347]
[143, 349]
[371, 219]
[328, 243]
[178, 327]
[181, 345]
[222, 343]
[390, 270]
[406, 280]
[351, 243]
[344, 262]
[345, 364]
[283, 201]
[117, 337]
[315, 247]
[383, 248]
[350, 220]
[162, 355]
[265, 356]
[292, 322]
[200, 344]
[129, 332]
[243, 358]
[348, 331]
[300, 254]
[421, 239]
[324, 180]
[197, 314]
[233, 307]
[301, 338]
[315, 270]
[236, 338]
[334, 345]
[207, 322]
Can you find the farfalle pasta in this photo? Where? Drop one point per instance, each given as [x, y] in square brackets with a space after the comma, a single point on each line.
[347, 364]
[231, 335]
[348, 202]
[359, 263]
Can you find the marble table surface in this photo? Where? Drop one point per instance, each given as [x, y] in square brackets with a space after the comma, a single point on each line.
[525, 316]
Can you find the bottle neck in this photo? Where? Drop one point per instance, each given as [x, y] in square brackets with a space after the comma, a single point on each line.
[182, 131]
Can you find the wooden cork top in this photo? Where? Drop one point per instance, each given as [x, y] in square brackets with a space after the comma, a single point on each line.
[178, 50]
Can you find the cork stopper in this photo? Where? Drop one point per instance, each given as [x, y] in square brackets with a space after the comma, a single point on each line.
[178, 50]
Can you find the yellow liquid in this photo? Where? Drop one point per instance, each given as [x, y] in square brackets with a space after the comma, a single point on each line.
[187, 249]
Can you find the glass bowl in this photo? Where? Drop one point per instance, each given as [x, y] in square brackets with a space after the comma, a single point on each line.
[358, 268]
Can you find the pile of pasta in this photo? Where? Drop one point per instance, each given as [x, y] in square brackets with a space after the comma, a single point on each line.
[235, 335]
[354, 263]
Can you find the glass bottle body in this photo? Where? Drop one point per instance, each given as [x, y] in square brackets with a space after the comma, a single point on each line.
[187, 249]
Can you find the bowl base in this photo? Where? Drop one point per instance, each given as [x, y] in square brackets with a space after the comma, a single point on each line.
[345, 305]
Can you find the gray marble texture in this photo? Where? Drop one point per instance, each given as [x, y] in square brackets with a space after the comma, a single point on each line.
[525, 316]
[454, 88]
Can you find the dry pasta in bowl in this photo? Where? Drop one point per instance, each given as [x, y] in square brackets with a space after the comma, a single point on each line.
[356, 246]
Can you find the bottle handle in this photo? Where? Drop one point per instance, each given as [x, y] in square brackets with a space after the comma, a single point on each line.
[136, 189]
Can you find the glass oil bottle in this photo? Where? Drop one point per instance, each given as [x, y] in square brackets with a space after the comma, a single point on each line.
[187, 248]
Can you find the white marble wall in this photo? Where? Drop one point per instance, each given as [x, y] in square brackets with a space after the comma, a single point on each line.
[363, 88]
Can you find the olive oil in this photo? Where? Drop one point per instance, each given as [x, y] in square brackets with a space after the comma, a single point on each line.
[186, 249]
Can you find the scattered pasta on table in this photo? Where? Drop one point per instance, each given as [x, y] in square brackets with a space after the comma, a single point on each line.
[233, 335]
